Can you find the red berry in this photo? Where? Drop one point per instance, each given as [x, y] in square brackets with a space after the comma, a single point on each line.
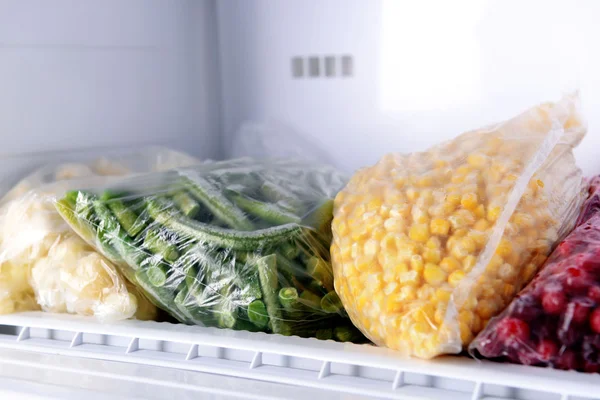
[554, 302]
[590, 366]
[513, 331]
[567, 360]
[576, 279]
[546, 350]
[578, 311]
[595, 320]
[594, 293]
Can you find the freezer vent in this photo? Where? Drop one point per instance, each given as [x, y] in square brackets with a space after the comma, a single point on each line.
[322, 66]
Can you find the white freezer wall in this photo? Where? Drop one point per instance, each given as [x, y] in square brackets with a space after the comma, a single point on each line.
[87, 74]
[423, 71]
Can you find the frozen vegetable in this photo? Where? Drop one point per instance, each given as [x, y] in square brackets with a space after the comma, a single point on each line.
[427, 247]
[44, 264]
[555, 320]
[238, 244]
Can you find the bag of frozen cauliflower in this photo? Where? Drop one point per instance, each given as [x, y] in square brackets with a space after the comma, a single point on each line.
[44, 264]
[427, 247]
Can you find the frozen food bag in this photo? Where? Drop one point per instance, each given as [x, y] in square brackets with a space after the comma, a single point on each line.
[427, 247]
[144, 160]
[44, 264]
[239, 244]
[555, 320]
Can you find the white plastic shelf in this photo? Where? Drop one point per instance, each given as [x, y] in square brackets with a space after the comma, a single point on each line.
[335, 367]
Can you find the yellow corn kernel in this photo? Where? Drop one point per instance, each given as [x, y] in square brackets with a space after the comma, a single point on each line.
[485, 309]
[451, 242]
[443, 295]
[425, 292]
[407, 293]
[439, 316]
[469, 201]
[433, 243]
[412, 194]
[466, 317]
[419, 232]
[392, 305]
[493, 213]
[406, 249]
[508, 290]
[460, 232]
[424, 181]
[457, 178]
[372, 282]
[528, 272]
[464, 170]
[477, 160]
[504, 249]
[419, 329]
[362, 300]
[469, 262]
[453, 199]
[432, 255]
[540, 183]
[463, 248]
[433, 274]
[480, 238]
[416, 263]
[374, 204]
[409, 278]
[479, 211]
[371, 248]
[440, 227]
[481, 225]
[400, 268]
[522, 220]
[424, 313]
[420, 216]
[449, 264]
[390, 288]
[494, 264]
[507, 272]
[455, 277]
[470, 303]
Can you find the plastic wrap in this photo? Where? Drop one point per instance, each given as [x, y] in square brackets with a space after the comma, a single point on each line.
[555, 320]
[427, 247]
[45, 264]
[238, 244]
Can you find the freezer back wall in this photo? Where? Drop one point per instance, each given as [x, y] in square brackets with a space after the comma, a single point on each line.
[420, 72]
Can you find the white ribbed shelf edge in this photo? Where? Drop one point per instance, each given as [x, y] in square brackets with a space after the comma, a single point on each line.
[347, 368]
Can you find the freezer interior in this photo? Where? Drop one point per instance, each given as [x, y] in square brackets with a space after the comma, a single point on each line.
[342, 82]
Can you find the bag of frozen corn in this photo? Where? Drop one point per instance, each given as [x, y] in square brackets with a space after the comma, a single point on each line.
[427, 247]
[44, 264]
[240, 244]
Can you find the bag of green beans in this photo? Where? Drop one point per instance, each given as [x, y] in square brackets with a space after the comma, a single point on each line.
[240, 244]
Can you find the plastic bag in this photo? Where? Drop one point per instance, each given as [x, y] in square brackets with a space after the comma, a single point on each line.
[147, 159]
[555, 320]
[237, 244]
[427, 247]
[43, 263]
[275, 140]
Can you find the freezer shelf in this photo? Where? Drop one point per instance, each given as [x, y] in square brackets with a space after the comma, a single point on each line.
[360, 370]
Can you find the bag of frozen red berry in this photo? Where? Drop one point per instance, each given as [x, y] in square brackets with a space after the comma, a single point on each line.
[555, 320]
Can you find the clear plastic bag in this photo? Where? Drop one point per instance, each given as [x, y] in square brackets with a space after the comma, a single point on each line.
[555, 320]
[44, 264]
[238, 244]
[427, 247]
[147, 159]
